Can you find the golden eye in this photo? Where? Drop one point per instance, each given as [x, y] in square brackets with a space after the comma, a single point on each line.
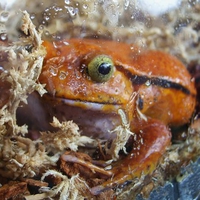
[101, 68]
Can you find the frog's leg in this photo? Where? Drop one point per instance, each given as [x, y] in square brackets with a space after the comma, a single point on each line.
[153, 138]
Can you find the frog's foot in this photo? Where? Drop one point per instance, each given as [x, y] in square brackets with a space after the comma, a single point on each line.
[143, 159]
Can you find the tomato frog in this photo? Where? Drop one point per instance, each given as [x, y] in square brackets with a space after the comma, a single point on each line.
[100, 77]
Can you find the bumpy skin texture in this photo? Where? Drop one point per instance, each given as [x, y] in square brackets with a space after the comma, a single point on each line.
[149, 83]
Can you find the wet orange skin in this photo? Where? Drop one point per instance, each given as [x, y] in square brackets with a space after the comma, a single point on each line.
[65, 76]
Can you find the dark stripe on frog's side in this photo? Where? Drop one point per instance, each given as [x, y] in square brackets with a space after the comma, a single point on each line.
[159, 82]
[139, 80]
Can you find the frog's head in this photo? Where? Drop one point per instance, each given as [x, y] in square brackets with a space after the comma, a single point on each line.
[85, 72]
[84, 76]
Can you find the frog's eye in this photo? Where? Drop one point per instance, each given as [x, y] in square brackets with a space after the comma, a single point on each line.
[100, 68]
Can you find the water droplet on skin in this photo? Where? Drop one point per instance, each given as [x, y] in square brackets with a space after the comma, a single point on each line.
[148, 83]
[135, 137]
[55, 45]
[142, 141]
[62, 75]
[53, 71]
[78, 76]
[65, 43]
[3, 36]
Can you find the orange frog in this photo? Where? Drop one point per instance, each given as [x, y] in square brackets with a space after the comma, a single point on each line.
[152, 88]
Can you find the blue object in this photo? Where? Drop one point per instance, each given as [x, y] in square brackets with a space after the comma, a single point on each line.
[185, 187]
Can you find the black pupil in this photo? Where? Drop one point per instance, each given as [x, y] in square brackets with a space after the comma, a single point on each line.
[104, 68]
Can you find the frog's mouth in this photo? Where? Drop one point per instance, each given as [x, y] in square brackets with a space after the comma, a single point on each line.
[94, 119]
[91, 105]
